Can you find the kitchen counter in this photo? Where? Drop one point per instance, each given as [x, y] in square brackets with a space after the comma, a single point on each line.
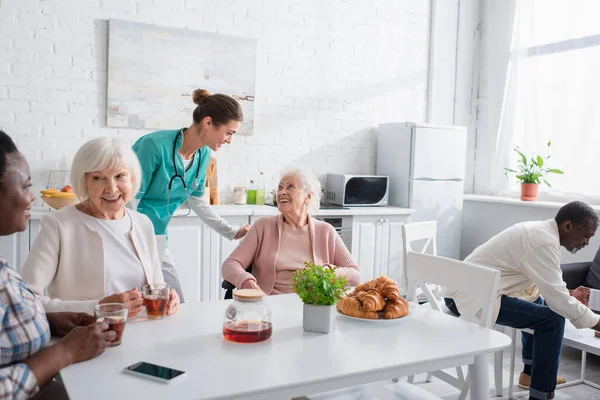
[232, 210]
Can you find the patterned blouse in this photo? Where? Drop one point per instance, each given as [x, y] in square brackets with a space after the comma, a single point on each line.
[25, 331]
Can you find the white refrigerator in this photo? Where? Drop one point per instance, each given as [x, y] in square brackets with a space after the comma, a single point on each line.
[426, 166]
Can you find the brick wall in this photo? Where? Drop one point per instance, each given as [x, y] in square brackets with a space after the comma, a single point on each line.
[328, 72]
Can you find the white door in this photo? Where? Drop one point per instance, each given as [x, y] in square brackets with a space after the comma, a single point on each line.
[366, 245]
[223, 249]
[439, 153]
[392, 248]
[188, 247]
[10, 249]
[440, 201]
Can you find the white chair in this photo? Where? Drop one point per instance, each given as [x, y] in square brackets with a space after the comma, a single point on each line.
[423, 269]
[415, 232]
[427, 231]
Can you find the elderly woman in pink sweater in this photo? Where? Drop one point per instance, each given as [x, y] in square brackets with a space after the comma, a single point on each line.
[278, 246]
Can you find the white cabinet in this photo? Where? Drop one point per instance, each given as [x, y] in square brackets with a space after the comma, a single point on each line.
[15, 248]
[377, 245]
[198, 253]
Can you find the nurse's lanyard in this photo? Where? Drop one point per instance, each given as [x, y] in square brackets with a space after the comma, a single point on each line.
[180, 177]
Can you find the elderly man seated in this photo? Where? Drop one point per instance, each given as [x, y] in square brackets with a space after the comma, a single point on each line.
[277, 246]
[532, 292]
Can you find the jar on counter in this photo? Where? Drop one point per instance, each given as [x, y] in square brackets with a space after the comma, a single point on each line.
[248, 318]
[239, 195]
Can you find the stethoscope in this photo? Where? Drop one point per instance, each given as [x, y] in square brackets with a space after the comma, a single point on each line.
[194, 184]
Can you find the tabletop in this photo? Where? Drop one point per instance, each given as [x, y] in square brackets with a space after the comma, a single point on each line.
[291, 363]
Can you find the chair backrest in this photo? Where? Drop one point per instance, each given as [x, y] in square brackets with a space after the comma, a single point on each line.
[414, 232]
[161, 242]
[473, 280]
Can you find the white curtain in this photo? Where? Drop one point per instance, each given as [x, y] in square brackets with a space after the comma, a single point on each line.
[552, 93]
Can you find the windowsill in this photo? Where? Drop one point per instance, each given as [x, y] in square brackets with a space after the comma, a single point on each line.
[513, 201]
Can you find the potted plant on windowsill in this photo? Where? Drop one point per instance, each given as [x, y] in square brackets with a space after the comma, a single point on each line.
[531, 173]
[319, 289]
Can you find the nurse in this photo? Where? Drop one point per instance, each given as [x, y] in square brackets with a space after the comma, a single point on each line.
[174, 165]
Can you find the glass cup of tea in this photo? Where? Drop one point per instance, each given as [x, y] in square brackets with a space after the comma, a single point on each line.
[115, 315]
[156, 298]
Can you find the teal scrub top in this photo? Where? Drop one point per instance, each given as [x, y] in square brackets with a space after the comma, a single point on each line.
[155, 152]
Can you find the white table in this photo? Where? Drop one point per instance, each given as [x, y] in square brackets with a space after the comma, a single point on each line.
[584, 340]
[292, 363]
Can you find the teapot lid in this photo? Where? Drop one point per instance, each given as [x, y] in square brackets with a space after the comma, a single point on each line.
[248, 294]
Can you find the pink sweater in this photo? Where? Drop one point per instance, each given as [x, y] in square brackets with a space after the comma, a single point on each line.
[261, 246]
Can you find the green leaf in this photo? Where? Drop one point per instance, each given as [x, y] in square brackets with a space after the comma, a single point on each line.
[549, 143]
[540, 161]
[546, 182]
[523, 158]
[319, 286]
[555, 171]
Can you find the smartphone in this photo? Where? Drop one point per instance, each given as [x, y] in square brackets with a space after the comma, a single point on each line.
[153, 372]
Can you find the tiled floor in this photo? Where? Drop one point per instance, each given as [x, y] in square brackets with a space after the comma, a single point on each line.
[569, 368]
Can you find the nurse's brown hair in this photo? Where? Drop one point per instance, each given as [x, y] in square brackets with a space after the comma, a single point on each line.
[219, 107]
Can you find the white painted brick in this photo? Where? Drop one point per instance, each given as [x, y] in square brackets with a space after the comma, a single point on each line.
[36, 142]
[71, 72]
[14, 105]
[119, 5]
[33, 20]
[66, 97]
[51, 59]
[30, 70]
[83, 109]
[80, 121]
[49, 108]
[6, 117]
[35, 45]
[17, 56]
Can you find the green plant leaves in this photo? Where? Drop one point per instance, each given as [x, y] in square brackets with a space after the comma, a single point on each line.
[319, 286]
[531, 171]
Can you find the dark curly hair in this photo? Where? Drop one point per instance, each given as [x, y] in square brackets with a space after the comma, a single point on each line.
[7, 146]
[578, 212]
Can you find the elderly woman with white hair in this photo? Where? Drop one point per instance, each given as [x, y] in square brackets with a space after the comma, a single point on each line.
[278, 246]
[97, 251]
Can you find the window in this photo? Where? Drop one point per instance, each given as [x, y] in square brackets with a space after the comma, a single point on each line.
[552, 93]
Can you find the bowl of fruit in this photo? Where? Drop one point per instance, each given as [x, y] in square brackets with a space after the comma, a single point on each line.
[58, 199]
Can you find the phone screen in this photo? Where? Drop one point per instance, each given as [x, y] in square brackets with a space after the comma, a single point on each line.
[155, 370]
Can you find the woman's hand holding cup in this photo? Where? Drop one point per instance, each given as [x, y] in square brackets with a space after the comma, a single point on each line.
[133, 299]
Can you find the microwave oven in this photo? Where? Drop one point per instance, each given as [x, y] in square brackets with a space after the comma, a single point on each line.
[357, 190]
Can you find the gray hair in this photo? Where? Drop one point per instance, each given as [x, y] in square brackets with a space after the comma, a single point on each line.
[99, 154]
[578, 212]
[310, 184]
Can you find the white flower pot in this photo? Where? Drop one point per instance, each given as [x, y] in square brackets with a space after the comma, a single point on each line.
[318, 318]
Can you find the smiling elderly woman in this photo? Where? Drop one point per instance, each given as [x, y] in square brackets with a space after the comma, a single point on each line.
[97, 251]
[278, 246]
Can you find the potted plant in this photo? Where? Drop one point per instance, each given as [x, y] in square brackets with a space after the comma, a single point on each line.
[319, 289]
[531, 173]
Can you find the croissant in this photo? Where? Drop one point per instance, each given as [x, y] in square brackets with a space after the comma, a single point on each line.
[351, 306]
[372, 284]
[395, 308]
[371, 299]
[387, 286]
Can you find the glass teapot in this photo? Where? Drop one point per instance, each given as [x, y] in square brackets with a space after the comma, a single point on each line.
[248, 318]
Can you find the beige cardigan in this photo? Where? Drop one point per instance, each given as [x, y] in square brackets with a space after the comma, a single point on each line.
[67, 259]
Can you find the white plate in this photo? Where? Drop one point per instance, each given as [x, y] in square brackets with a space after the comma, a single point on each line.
[377, 321]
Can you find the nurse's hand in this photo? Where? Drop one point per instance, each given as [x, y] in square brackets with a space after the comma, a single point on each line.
[132, 299]
[173, 304]
[242, 232]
